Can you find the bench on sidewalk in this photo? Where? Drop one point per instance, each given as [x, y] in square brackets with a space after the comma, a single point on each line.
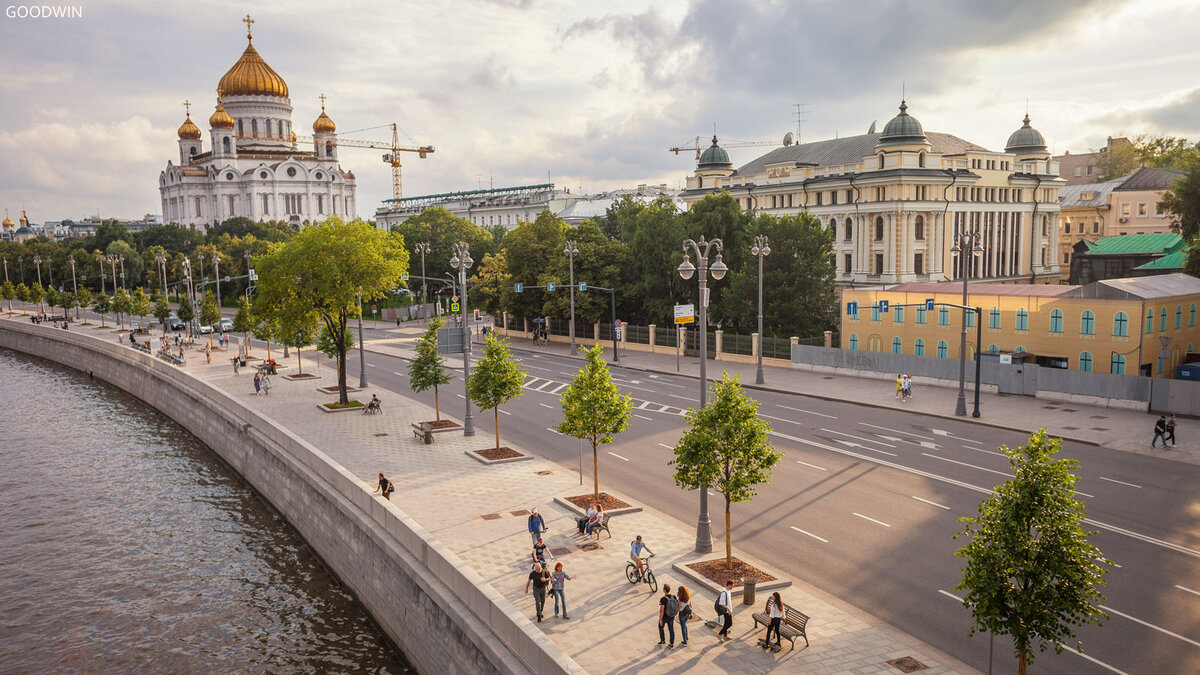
[424, 431]
[602, 526]
[793, 625]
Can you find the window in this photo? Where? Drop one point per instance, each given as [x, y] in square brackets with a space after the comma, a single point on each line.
[1162, 319]
[1125, 210]
[849, 197]
[1066, 258]
[266, 204]
[994, 318]
[820, 198]
[254, 128]
[879, 229]
[1078, 171]
[1178, 317]
[1121, 325]
[1142, 209]
[1191, 311]
[846, 258]
[875, 312]
[849, 230]
[853, 342]
[943, 316]
[1087, 323]
[1022, 319]
[919, 228]
[225, 144]
[230, 198]
[1161, 361]
[1085, 362]
[897, 346]
[320, 203]
[898, 316]
[918, 263]
[942, 349]
[832, 197]
[1056, 321]
[329, 148]
[1089, 168]
[1150, 321]
[881, 161]
[878, 263]
[1117, 366]
[919, 347]
[921, 316]
[970, 319]
[993, 349]
[198, 214]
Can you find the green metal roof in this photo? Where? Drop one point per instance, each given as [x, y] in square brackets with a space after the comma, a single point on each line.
[1137, 243]
[1171, 261]
[714, 157]
[903, 129]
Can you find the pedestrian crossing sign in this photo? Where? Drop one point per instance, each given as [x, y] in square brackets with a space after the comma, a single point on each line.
[454, 307]
[404, 276]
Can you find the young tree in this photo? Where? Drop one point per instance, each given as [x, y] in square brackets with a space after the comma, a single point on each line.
[22, 294]
[210, 314]
[84, 299]
[1030, 571]
[36, 293]
[726, 450]
[428, 368]
[50, 297]
[162, 310]
[121, 304]
[185, 312]
[102, 303]
[141, 306]
[8, 292]
[497, 379]
[594, 409]
[66, 300]
[296, 338]
[243, 323]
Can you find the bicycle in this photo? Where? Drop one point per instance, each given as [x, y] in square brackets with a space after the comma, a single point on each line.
[631, 573]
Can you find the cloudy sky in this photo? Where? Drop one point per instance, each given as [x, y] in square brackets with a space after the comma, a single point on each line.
[590, 94]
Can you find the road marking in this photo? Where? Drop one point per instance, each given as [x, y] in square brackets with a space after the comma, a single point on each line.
[832, 417]
[546, 406]
[616, 455]
[554, 431]
[1187, 589]
[543, 386]
[557, 389]
[973, 466]
[819, 468]
[1121, 482]
[930, 503]
[949, 594]
[1147, 624]
[370, 365]
[686, 398]
[820, 539]
[946, 434]
[896, 431]
[669, 447]
[852, 444]
[504, 412]
[460, 396]
[880, 522]
[780, 419]
[857, 438]
[990, 452]
[1094, 660]
[400, 374]
[531, 366]
[643, 417]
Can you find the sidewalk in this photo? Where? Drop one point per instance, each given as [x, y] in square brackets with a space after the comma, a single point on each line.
[479, 512]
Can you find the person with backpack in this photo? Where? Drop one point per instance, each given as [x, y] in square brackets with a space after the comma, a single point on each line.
[385, 487]
[668, 609]
[539, 578]
[685, 612]
[724, 609]
[536, 526]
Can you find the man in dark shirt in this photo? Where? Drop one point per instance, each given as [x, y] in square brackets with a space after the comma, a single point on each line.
[539, 578]
[1160, 431]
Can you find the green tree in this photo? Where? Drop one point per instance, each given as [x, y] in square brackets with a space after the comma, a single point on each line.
[134, 265]
[186, 312]
[491, 282]
[102, 303]
[22, 294]
[594, 409]
[1191, 264]
[323, 271]
[1182, 203]
[121, 304]
[1168, 152]
[329, 346]
[243, 322]
[726, 450]
[529, 251]
[84, 299]
[297, 337]
[8, 292]
[656, 234]
[66, 300]
[162, 310]
[141, 306]
[1030, 571]
[35, 294]
[428, 369]
[50, 297]
[442, 230]
[718, 216]
[210, 314]
[497, 379]
[1118, 159]
[600, 262]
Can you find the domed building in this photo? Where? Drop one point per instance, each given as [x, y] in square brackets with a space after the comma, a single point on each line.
[254, 166]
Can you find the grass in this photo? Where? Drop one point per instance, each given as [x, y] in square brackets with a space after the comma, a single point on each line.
[352, 403]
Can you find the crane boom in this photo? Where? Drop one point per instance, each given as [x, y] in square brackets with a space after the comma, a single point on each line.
[724, 144]
[392, 158]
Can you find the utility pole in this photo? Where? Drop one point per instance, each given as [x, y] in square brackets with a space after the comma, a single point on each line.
[217, 276]
[966, 245]
[760, 249]
[461, 259]
[571, 250]
[362, 358]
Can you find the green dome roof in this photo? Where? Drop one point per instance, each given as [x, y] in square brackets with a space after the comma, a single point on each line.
[715, 157]
[1026, 139]
[903, 129]
[23, 230]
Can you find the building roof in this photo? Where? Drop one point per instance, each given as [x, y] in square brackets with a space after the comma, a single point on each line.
[1171, 261]
[1025, 140]
[1139, 288]
[902, 129]
[1071, 196]
[714, 157]
[1150, 178]
[1024, 290]
[848, 150]
[1160, 242]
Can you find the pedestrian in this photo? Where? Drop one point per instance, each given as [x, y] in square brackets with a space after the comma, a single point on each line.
[581, 523]
[384, 487]
[539, 552]
[266, 384]
[1170, 430]
[1160, 431]
[724, 609]
[235, 365]
[536, 526]
[558, 582]
[257, 384]
[595, 520]
[906, 388]
[899, 384]
[668, 608]
[775, 614]
[207, 354]
[685, 612]
[539, 578]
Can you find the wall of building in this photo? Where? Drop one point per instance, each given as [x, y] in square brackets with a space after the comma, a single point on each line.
[444, 616]
[1136, 212]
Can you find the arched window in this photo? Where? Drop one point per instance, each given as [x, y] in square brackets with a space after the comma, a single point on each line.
[873, 343]
[192, 151]
[1121, 325]
[853, 342]
[921, 160]
[849, 229]
[919, 226]
[254, 128]
[241, 130]
[833, 225]
[1150, 321]
[994, 318]
[897, 346]
[699, 181]
[225, 144]
[329, 148]
[879, 229]
[1056, 321]
[1178, 317]
[919, 347]
[1162, 319]
[1087, 323]
[993, 349]
[1117, 366]
[942, 349]
[1085, 362]
[1022, 319]
[881, 160]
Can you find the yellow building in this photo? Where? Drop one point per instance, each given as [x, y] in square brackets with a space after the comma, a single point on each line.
[1142, 325]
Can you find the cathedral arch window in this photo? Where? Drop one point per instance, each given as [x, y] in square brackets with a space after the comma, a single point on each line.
[881, 160]
[254, 128]
[849, 229]
[241, 130]
[329, 148]
[919, 228]
[226, 145]
[921, 160]
[198, 213]
[266, 204]
[879, 228]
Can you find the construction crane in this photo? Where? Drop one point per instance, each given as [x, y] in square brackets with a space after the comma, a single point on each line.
[393, 156]
[699, 147]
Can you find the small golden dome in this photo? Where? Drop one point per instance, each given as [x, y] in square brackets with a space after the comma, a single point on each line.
[8, 222]
[220, 119]
[293, 138]
[324, 125]
[188, 130]
[23, 218]
[251, 76]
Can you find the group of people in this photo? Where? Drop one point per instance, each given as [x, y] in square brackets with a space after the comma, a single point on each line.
[540, 335]
[591, 520]
[540, 577]
[262, 383]
[903, 386]
[1164, 428]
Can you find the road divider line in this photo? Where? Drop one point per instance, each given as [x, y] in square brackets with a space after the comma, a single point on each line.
[930, 503]
[857, 438]
[554, 431]
[878, 522]
[643, 417]
[669, 447]
[810, 412]
[504, 412]
[779, 419]
[814, 466]
[820, 539]
[1187, 589]
[686, 398]
[973, 466]
[1111, 480]
[1094, 660]
[544, 405]
[460, 396]
[1147, 624]
[617, 456]
[897, 431]
[400, 374]
[950, 595]
[370, 365]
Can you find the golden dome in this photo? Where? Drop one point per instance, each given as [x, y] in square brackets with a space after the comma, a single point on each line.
[189, 130]
[220, 119]
[324, 125]
[8, 222]
[251, 76]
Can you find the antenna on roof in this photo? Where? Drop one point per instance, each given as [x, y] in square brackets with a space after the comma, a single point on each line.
[800, 115]
[903, 92]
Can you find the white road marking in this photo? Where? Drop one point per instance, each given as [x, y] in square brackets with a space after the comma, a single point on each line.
[1095, 661]
[630, 386]
[546, 406]
[832, 417]
[819, 468]
[930, 503]
[820, 539]
[370, 365]
[554, 431]
[531, 366]
[643, 417]
[879, 522]
[973, 466]
[686, 398]
[669, 447]
[779, 419]
[1147, 624]
[1121, 482]
[616, 455]
[857, 438]
[460, 396]
[896, 431]
[990, 452]
[504, 412]
[947, 434]
[1187, 589]
[949, 594]
[557, 389]
[543, 386]
[400, 374]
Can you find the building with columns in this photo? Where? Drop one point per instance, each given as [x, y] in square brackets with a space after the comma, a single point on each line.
[254, 166]
[897, 199]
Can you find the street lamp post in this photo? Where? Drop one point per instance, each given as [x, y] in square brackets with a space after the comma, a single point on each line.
[21, 262]
[966, 244]
[461, 260]
[6, 283]
[161, 261]
[362, 358]
[686, 270]
[760, 249]
[122, 259]
[247, 256]
[423, 248]
[74, 286]
[37, 260]
[571, 250]
[217, 276]
[187, 275]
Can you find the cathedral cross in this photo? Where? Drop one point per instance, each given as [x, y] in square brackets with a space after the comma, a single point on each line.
[322, 97]
[187, 105]
[248, 21]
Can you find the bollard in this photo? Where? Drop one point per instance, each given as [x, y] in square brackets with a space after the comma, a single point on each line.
[748, 588]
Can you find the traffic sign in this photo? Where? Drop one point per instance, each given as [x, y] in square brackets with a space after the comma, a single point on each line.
[617, 334]
[685, 314]
[517, 288]
[928, 304]
[404, 276]
[454, 307]
[253, 275]
[454, 299]
[852, 308]
[582, 286]
[883, 306]
[450, 341]
[477, 317]
[550, 286]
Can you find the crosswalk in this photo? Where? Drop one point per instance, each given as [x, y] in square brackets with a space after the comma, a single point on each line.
[553, 387]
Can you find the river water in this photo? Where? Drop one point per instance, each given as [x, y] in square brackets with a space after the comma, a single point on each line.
[126, 545]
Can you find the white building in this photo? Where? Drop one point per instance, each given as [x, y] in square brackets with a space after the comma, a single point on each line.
[253, 167]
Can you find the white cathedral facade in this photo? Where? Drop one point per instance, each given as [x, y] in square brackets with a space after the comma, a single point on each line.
[253, 166]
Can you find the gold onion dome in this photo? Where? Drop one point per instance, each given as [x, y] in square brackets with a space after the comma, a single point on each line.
[189, 130]
[220, 119]
[324, 125]
[251, 76]
[8, 222]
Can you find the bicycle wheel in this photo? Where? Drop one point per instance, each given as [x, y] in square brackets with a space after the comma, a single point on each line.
[631, 573]
[652, 581]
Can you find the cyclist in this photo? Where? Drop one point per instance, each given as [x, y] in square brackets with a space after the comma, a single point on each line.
[635, 554]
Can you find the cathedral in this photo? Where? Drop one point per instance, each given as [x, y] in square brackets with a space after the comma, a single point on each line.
[254, 166]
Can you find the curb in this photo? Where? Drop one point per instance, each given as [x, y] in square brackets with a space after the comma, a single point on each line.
[615, 512]
[714, 587]
[483, 460]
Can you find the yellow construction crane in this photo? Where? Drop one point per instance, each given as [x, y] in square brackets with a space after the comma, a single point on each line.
[392, 158]
[700, 147]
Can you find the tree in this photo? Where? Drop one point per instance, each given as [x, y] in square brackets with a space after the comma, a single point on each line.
[36, 293]
[1191, 264]
[8, 292]
[529, 249]
[656, 234]
[1168, 152]
[22, 294]
[322, 272]
[121, 304]
[1182, 202]
[186, 312]
[242, 321]
[50, 297]
[594, 409]
[66, 300]
[102, 303]
[327, 345]
[600, 262]
[296, 338]
[162, 310]
[428, 368]
[134, 265]
[1030, 571]
[210, 314]
[141, 306]
[442, 230]
[726, 450]
[497, 379]
[84, 299]
[718, 216]
[1119, 159]
[491, 282]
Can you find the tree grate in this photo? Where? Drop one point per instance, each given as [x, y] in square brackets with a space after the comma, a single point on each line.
[907, 664]
[560, 551]
[490, 516]
[522, 512]
[590, 546]
[543, 473]
[383, 434]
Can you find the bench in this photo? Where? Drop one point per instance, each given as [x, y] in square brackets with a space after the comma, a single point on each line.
[423, 431]
[793, 625]
[602, 526]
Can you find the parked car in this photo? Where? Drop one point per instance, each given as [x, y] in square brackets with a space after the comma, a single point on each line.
[402, 292]
[174, 323]
[225, 325]
[205, 329]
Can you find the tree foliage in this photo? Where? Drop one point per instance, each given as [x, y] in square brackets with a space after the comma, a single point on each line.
[1030, 570]
[428, 369]
[441, 230]
[497, 379]
[102, 303]
[593, 408]
[84, 299]
[1182, 203]
[121, 304]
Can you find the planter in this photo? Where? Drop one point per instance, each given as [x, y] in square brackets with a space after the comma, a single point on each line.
[334, 390]
[701, 580]
[587, 498]
[504, 456]
[354, 406]
[301, 376]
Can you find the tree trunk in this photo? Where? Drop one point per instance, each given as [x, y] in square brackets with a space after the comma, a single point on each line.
[595, 474]
[299, 363]
[437, 408]
[1023, 663]
[342, 398]
[496, 414]
[102, 321]
[246, 344]
[728, 537]
[268, 350]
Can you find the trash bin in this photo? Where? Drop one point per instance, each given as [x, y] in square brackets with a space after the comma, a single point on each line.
[748, 588]
[243, 361]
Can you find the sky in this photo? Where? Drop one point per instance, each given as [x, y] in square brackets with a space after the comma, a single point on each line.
[589, 95]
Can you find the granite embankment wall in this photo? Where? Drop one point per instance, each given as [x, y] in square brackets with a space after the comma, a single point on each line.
[443, 616]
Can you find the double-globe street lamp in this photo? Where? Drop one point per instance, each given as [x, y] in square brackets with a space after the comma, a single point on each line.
[570, 249]
[718, 270]
[461, 260]
[422, 247]
[37, 260]
[760, 249]
[966, 246]
[74, 286]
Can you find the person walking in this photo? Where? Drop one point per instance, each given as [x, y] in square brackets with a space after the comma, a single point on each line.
[558, 582]
[266, 384]
[536, 526]
[384, 487]
[539, 578]
[1170, 431]
[668, 609]
[207, 353]
[539, 552]
[1160, 431]
[905, 388]
[724, 608]
[685, 613]
[257, 384]
[899, 384]
[775, 614]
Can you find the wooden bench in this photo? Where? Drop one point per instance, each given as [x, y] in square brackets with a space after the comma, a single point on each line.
[423, 432]
[602, 526]
[793, 625]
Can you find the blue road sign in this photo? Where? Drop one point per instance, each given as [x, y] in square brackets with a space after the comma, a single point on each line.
[883, 305]
[550, 286]
[582, 286]
[518, 288]
[852, 308]
[404, 276]
[928, 304]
